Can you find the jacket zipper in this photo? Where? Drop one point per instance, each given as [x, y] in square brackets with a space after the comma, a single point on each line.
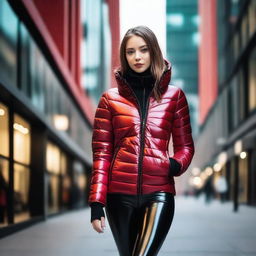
[142, 143]
[141, 127]
[142, 134]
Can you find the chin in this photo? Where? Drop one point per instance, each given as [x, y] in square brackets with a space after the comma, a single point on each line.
[140, 70]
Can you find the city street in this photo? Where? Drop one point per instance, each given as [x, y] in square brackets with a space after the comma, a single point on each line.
[197, 230]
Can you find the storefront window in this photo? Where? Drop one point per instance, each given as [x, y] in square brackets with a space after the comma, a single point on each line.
[252, 81]
[4, 184]
[232, 179]
[4, 131]
[243, 178]
[66, 183]
[22, 140]
[53, 168]
[79, 186]
[21, 155]
[21, 193]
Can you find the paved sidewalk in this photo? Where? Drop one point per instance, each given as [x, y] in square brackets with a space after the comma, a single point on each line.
[197, 230]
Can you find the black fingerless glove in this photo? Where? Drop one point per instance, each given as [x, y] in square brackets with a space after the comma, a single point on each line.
[97, 211]
[175, 167]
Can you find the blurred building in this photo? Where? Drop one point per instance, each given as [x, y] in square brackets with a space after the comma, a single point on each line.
[226, 145]
[182, 51]
[47, 103]
[100, 44]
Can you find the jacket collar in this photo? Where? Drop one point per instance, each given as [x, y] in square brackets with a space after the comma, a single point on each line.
[126, 91]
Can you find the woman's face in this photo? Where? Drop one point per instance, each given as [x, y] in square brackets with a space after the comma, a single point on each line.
[137, 54]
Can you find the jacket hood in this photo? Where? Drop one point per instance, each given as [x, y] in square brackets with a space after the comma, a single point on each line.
[126, 91]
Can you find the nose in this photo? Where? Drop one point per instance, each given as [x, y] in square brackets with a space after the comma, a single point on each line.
[137, 55]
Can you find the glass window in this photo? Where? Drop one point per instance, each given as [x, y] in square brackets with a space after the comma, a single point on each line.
[80, 184]
[8, 43]
[21, 140]
[24, 60]
[66, 188]
[231, 111]
[252, 81]
[21, 193]
[37, 68]
[94, 46]
[245, 29]
[53, 193]
[53, 164]
[242, 91]
[232, 179]
[49, 93]
[66, 183]
[252, 17]
[4, 183]
[234, 103]
[243, 177]
[53, 158]
[236, 45]
[4, 130]
[21, 155]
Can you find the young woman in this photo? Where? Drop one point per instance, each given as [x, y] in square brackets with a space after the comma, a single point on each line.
[132, 171]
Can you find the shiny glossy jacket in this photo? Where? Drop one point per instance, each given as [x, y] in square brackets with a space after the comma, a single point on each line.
[130, 155]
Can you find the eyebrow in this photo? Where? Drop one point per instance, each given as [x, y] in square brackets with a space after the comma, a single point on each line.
[139, 47]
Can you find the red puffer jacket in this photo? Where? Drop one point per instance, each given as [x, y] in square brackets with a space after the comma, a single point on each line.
[131, 155]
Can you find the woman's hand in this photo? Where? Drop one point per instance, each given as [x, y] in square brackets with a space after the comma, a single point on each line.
[99, 225]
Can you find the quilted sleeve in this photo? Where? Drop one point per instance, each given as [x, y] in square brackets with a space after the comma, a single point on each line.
[183, 144]
[102, 149]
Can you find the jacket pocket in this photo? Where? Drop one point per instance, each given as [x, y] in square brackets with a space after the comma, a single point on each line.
[174, 167]
[113, 161]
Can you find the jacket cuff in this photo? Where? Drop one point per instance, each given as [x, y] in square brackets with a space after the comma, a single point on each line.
[175, 167]
[97, 211]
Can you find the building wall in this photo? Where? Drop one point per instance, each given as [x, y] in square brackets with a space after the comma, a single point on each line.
[45, 116]
[227, 139]
[208, 72]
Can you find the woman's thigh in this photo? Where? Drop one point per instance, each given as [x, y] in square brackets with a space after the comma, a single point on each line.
[124, 221]
[157, 220]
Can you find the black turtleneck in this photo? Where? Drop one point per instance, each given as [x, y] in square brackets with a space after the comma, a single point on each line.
[142, 85]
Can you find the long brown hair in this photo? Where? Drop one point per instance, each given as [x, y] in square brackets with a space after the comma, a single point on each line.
[156, 56]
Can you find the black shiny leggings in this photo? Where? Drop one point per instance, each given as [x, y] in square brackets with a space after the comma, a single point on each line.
[140, 224]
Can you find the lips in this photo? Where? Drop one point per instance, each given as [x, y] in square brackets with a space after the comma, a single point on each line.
[138, 65]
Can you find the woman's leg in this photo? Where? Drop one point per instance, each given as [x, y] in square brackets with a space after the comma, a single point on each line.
[158, 215]
[123, 220]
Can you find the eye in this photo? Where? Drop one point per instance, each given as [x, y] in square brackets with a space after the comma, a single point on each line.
[144, 50]
[129, 52]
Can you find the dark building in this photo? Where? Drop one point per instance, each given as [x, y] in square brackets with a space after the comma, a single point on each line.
[46, 111]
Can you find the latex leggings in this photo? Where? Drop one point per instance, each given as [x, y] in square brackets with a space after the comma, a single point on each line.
[140, 224]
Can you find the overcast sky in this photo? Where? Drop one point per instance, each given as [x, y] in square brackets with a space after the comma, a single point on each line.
[151, 13]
